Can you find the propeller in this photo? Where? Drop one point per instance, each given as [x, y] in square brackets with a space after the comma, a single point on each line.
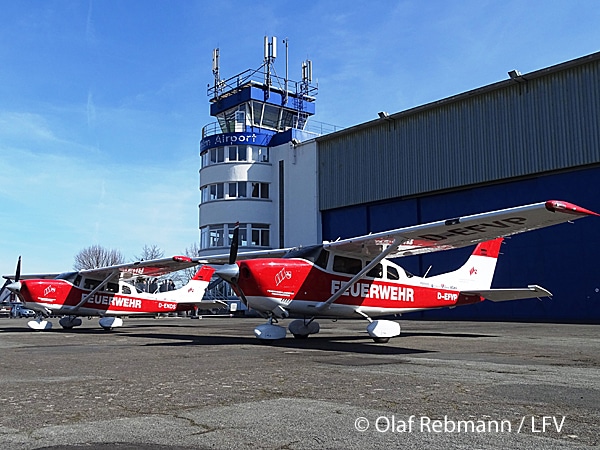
[235, 243]
[231, 272]
[13, 285]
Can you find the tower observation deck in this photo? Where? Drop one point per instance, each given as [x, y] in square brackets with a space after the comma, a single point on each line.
[260, 120]
[259, 101]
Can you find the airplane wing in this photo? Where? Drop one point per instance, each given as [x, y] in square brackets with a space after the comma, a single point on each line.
[149, 268]
[223, 258]
[36, 276]
[461, 231]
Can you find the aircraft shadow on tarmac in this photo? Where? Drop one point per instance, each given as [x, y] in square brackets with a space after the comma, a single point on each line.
[348, 344]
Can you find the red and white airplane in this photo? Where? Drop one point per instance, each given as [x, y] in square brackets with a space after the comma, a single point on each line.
[109, 292]
[355, 278]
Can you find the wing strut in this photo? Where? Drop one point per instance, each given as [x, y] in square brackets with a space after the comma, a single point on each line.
[96, 289]
[326, 304]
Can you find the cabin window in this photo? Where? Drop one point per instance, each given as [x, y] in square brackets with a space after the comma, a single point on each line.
[90, 284]
[111, 287]
[376, 272]
[392, 273]
[343, 264]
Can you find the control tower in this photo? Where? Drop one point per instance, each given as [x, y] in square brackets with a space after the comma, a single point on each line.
[261, 120]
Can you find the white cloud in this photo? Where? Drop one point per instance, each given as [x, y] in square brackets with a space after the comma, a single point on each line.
[54, 203]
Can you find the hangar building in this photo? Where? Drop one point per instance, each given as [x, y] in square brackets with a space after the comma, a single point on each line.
[529, 138]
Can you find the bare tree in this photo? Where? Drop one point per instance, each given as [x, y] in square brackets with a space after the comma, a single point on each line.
[150, 252]
[96, 256]
[182, 277]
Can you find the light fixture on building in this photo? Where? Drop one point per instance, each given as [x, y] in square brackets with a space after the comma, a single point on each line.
[515, 75]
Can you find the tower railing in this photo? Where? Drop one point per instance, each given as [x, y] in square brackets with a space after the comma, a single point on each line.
[313, 126]
[230, 86]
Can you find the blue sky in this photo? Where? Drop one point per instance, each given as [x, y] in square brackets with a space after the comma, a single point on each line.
[102, 102]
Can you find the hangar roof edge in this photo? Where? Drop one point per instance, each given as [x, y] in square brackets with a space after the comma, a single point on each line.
[468, 94]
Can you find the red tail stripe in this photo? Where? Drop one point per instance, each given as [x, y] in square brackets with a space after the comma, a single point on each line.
[490, 249]
[204, 273]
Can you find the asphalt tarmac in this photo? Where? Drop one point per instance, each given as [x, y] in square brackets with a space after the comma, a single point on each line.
[177, 383]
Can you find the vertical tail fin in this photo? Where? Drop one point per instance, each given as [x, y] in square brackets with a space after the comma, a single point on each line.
[477, 272]
[194, 290]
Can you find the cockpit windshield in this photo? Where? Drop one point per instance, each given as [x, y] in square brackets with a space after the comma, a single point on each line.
[67, 276]
[314, 253]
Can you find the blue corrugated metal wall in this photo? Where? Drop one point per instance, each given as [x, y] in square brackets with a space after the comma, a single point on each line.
[563, 259]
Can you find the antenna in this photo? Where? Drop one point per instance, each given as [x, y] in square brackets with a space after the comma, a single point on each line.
[285, 89]
[215, 70]
[307, 71]
[215, 61]
[270, 55]
[270, 49]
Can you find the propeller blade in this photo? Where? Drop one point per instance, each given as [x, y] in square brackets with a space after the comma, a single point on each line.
[242, 296]
[18, 270]
[235, 242]
[6, 283]
[14, 287]
[214, 283]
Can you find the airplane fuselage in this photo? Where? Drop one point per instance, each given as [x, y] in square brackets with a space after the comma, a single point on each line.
[60, 297]
[300, 287]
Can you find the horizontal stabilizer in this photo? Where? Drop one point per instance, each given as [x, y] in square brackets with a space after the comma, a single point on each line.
[504, 295]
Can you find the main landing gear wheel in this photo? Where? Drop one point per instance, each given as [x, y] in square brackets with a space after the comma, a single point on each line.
[68, 322]
[382, 330]
[108, 323]
[301, 329]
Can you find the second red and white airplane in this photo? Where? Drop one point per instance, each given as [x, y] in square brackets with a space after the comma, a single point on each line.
[109, 292]
[355, 278]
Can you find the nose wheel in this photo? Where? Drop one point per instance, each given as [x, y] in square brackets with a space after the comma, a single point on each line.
[382, 330]
[269, 331]
[40, 323]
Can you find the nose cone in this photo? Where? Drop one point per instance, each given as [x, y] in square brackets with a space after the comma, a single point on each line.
[14, 287]
[229, 272]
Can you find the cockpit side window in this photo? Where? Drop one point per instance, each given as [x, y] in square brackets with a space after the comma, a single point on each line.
[376, 272]
[344, 264]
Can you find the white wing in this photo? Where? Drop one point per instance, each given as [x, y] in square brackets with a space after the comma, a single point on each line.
[461, 231]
